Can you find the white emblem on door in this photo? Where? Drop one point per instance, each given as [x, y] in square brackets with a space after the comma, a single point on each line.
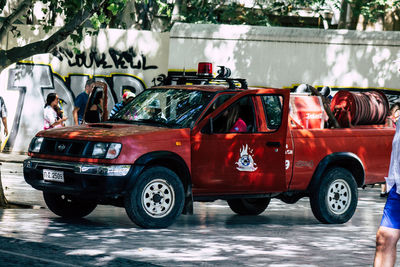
[245, 162]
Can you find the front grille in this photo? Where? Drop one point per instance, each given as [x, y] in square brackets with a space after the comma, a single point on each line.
[62, 147]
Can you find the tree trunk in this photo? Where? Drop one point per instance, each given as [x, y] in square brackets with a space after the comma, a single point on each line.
[3, 200]
[355, 12]
[179, 11]
[343, 15]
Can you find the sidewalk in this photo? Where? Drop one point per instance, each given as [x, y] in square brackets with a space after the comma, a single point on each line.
[13, 157]
[16, 190]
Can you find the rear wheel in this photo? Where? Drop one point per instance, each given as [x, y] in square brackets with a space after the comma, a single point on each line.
[68, 206]
[157, 198]
[335, 198]
[248, 206]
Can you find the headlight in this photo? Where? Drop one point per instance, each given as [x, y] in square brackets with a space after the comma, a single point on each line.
[35, 145]
[99, 150]
[106, 150]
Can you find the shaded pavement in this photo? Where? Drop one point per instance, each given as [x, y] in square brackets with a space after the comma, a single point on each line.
[284, 235]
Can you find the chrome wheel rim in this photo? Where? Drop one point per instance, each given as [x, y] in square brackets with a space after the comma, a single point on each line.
[158, 198]
[339, 196]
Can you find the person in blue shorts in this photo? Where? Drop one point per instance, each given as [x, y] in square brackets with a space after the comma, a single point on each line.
[81, 101]
[388, 233]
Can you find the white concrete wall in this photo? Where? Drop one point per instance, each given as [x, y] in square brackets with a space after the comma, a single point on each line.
[282, 57]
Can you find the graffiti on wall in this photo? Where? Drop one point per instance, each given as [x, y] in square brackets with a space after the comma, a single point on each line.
[32, 82]
[119, 59]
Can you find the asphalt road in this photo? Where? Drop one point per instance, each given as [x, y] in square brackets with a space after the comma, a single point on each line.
[284, 235]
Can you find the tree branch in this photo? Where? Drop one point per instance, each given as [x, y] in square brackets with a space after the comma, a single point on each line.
[45, 46]
[18, 12]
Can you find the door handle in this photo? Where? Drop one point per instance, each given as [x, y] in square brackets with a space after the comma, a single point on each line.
[274, 144]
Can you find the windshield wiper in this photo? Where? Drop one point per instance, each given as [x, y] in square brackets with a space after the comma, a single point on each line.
[159, 122]
[118, 120]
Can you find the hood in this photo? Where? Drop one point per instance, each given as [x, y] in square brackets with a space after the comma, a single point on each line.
[106, 132]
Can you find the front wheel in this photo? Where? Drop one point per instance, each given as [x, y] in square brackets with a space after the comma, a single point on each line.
[248, 206]
[335, 198]
[68, 206]
[156, 200]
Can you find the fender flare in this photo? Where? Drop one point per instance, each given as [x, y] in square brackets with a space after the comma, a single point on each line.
[170, 160]
[347, 160]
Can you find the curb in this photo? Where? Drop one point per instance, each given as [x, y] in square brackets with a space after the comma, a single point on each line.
[25, 206]
[13, 158]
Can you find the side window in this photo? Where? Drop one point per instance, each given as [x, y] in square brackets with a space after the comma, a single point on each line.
[273, 110]
[238, 117]
[218, 102]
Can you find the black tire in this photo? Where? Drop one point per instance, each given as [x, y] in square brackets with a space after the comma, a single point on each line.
[335, 198]
[157, 198]
[67, 206]
[248, 206]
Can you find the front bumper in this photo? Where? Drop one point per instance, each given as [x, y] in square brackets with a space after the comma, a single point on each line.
[80, 179]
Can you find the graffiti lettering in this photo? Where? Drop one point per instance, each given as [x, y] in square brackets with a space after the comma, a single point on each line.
[34, 81]
[31, 81]
[82, 59]
[160, 80]
[120, 59]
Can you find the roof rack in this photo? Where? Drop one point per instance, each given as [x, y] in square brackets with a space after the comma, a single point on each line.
[182, 80]
[207, 78]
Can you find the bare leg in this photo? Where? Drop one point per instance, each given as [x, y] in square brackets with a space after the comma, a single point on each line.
[383, 188]
[386, 242]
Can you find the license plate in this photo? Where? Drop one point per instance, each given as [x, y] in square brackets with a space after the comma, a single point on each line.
[52, 175]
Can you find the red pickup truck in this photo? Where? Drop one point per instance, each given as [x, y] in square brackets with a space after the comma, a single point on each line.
[176, 144]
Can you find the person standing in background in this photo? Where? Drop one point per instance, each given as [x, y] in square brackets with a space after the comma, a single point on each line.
[127, 97]
[3, 115]
[95, 110]
[50, 115]
[81, 101]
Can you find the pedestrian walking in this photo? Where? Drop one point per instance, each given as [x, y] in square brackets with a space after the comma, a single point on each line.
[388, 233]
[393, 117]
[81, 101]
[52, 116]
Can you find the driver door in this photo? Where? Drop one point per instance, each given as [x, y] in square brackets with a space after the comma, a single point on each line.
[246, 162]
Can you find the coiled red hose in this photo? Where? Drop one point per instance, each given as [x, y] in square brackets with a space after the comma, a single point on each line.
[360, 108]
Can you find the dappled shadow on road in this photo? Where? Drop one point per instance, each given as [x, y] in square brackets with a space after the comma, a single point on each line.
[239, 221]
[18, 253]
[214, 235]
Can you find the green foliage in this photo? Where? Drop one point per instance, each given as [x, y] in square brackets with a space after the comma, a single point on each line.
[2, 5]
[371, 10]
[374, 9]
[264, 12]
[69, 8]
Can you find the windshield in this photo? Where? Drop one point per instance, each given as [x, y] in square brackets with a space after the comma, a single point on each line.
[165, 107]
